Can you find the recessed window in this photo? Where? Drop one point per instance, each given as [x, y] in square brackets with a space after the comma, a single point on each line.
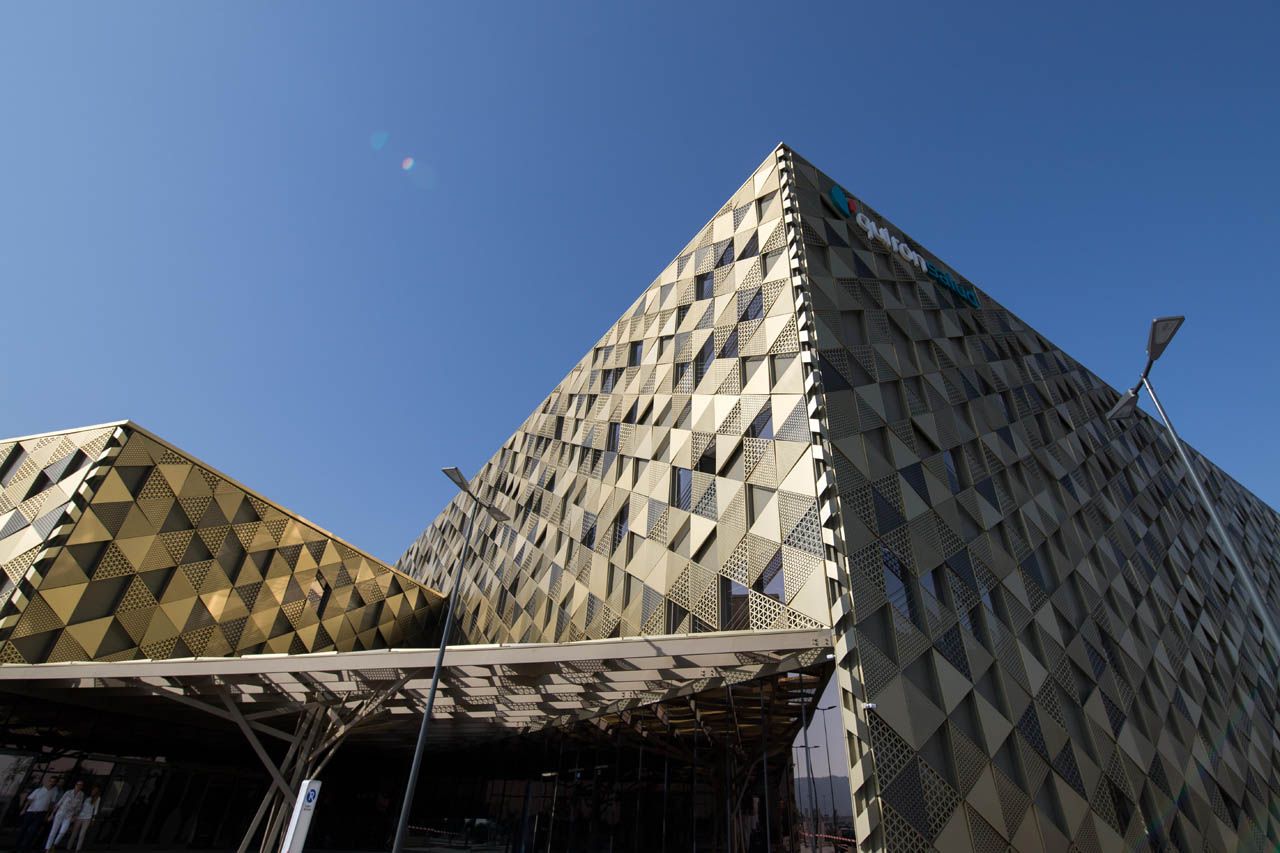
[706, 286]
[761, 425]
[726, 257]
[707, 461]
[758, 498]
[953, 477]
[681, 488]
[634, 353]
[702, 364]
[613, 437]
[730, 346]
[752, 366]
[620, 527]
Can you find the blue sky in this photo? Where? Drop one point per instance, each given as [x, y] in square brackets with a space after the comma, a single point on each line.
[202, 234]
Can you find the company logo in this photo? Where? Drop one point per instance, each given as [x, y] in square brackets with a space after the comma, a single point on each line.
[838, 200]
[311, 795]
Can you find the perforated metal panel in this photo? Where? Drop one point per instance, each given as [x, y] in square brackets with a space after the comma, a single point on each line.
[118, 546]
[1047, 629]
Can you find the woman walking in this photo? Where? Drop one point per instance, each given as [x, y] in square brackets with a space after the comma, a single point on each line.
[88, 811]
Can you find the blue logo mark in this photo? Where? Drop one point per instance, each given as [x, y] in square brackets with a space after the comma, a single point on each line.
[840, 202]
[311, 796]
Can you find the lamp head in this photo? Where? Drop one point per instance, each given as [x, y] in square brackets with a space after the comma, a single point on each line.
[1162, 331]
[1125, 407]
[495, 513]
[458, 480]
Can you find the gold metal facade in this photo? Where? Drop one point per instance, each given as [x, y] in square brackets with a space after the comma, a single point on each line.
[667, 485]
[115, 546]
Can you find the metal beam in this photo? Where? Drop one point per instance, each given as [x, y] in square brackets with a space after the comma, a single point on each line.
[210, 709]
[247, 730]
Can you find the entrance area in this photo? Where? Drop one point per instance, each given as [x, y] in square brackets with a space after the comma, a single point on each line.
[661, 745]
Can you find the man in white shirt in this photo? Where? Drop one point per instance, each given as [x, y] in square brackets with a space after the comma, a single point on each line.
[37, 809]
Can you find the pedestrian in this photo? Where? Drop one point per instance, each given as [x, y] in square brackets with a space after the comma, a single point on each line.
[88, 811]
[63, 814]
[37, 809]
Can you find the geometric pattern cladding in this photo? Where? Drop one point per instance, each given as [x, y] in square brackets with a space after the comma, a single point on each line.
[666, 485]
[809, 420]
[1051, 637]
[115, 545]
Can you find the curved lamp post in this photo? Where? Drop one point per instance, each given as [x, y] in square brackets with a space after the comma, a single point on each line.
[1162, 331]
[497, 515]
[831, 782]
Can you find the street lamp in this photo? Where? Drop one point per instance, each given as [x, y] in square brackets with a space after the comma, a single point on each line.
[497, 515]
[1162, 331]
[813, 786]
[831, 783]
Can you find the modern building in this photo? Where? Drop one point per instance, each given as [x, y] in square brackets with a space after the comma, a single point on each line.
[808, 419]
[809, 453]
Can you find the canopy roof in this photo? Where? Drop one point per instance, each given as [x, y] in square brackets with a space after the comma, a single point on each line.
[487, 690]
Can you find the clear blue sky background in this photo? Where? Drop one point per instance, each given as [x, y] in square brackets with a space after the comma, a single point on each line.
[199, 234]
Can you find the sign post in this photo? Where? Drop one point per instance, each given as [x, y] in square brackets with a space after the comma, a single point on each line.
[303, 810]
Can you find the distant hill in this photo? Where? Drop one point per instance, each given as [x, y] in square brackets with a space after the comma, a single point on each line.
[824, 784]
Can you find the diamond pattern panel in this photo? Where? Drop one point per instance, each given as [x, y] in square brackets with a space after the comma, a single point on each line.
[663, 464]
[1034, 580]
[154, 555]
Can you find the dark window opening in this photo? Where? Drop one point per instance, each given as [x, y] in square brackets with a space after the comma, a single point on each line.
[706, 355]
[705, 286]
[681, 488]
[761, 425]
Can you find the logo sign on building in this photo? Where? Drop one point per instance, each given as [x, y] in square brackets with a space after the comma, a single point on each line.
[839, 201]
[304, 807]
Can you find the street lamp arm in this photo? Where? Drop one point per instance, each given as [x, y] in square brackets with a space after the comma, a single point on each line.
[498, 515]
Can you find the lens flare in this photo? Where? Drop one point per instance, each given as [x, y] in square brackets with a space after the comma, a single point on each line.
[406, 163]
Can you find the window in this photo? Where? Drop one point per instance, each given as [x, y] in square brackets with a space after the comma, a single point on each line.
[706, 286]
[634, 353]
[730, 346]
[706, 355]
[754, 309]
[726, 257]
[761, 425]
[613, 437]
[704, 549]
[758, 498]
[706, 463]
[620, 527]
[751, 367]
[681, 488]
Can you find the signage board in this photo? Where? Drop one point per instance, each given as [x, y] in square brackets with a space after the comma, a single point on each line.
[304, 807]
